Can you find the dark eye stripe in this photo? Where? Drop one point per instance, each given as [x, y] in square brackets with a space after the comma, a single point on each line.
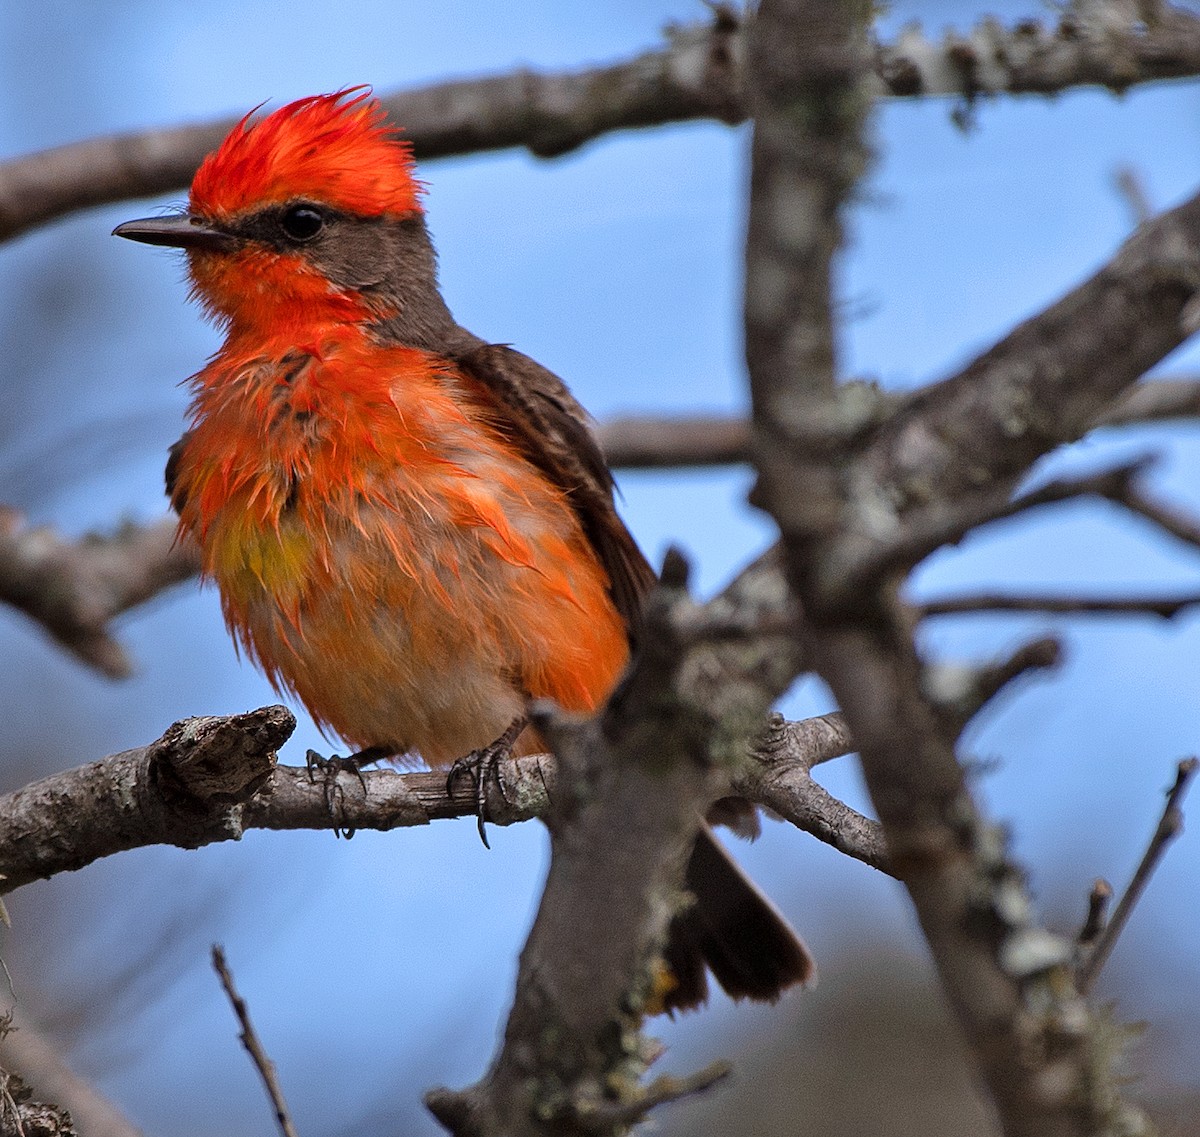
[284, 227]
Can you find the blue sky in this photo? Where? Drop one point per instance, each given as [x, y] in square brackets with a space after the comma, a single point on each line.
[391, 957]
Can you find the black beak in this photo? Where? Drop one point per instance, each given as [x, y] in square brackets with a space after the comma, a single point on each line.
[181, 231]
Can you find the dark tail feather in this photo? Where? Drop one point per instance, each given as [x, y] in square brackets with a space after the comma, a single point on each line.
[735, 930]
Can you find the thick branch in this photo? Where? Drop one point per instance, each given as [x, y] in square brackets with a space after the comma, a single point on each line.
[817, 449]
[182, 790]
[698, 74]
[648, 768]
[1049, 381]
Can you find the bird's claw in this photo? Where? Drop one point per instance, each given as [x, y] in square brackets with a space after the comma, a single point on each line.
[482, 766]
[331, 769]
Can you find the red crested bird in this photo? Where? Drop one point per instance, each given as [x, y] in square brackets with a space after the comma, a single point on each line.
[412, 530]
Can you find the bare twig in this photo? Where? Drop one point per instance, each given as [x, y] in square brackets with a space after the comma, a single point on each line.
[1130, 186]
[1099, 898]
[960, 692]
[609, 1116]
[659, 443]
[1170, 825]
[250, 1040]
[1165, 607]
[1167, 517]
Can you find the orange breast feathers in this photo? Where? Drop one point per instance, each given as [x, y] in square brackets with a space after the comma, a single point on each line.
[384, 552]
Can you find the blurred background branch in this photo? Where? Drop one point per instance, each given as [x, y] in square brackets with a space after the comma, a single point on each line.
[697, 75]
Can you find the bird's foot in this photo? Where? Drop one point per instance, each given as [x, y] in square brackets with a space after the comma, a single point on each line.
[331, 770]
[483, 766]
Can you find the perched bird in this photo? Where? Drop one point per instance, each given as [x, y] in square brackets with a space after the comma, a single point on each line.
[412, 530]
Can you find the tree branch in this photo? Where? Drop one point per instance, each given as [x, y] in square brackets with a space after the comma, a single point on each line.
[973, 603]
[839, 473]
[22, 1116]
[1046, 382]
[74, 589]
[651, 443]
[697, 74]
[1169, 826]
[181, 790]
[573, 1056]
[27, 1051]
[254, 1047]
[130, 800]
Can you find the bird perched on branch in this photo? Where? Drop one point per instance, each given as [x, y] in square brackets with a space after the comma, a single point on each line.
[412, 530]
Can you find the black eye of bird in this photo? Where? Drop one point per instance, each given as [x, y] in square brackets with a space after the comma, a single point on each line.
[302, 222]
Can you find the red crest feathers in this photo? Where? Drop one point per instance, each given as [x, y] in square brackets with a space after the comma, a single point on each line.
[337, 149]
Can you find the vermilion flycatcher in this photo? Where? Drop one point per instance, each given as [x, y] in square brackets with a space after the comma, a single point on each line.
[412, 530]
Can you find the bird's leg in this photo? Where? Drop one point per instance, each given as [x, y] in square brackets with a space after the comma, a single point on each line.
[484, 764]
[331, 769]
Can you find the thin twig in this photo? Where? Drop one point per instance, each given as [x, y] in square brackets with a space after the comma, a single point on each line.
[1165, 516]
[947, 520]
[981, 602]
[606, 1116]
[1099, 899]
[263, 1064]
[961, 692]
[1170, 825]
[1131, 187]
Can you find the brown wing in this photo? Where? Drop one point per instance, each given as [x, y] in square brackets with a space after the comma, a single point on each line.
[172, 474]
[541, 417]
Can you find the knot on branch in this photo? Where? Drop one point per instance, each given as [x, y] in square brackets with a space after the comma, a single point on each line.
[206, 762]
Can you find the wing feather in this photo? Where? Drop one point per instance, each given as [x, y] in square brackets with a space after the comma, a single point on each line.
[541, 417]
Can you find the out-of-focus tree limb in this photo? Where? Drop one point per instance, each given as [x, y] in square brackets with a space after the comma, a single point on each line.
[647, 442]
[1170, 825]
[29, 1053]
[1164, 607]
[74, 589]
[697, 74]
[647, 767]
